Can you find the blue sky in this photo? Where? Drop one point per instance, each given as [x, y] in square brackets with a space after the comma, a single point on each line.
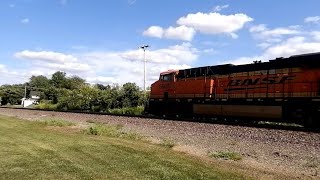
[98, 40]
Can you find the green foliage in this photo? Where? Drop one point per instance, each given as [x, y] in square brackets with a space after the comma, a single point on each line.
[226, 155]
[39, 81]
[100, 129]
[128, 110]
[72, 93]
[11, 94]
[56, 122]
[46, 105]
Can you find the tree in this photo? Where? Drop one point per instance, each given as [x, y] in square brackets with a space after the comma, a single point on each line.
[130, 95]
[11, 94]
[39, 81]
[59, 79]
[75, 82]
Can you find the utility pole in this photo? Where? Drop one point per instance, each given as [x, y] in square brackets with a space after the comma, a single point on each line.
[25, 91]
[145, 68]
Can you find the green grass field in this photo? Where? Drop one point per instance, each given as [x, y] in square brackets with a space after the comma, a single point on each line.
[33, 150]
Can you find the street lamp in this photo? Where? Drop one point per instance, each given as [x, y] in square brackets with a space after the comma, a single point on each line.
[145, 61]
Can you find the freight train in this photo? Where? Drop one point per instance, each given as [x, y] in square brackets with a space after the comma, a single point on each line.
[282, 90]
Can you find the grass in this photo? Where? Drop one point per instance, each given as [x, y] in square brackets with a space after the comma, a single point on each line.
[169, 143]
[56, 122]
[101, 129]
[226, 155]
[29, 150]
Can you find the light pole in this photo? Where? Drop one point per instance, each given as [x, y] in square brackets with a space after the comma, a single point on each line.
[145, 61]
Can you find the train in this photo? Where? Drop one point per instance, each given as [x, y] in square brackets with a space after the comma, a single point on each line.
[278, 90]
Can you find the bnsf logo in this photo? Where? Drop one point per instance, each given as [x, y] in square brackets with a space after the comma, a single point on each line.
[266, 80]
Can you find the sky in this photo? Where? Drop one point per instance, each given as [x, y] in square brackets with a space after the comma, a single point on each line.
[99, 40]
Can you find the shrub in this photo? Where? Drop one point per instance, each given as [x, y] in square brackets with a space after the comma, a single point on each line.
[128, 110]
[47, 106]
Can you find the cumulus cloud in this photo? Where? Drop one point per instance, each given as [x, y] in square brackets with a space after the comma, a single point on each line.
[220, 8]
[25, 21]
[180, 32]
[207, 23]
[215, 23]
[110, 67]
[48, 56]
[291, 46]
[55, 60]
[262, 32]
[312, 19]
[316, 35]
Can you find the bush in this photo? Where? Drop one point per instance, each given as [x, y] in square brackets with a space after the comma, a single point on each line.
[128, 110]
[47, 106]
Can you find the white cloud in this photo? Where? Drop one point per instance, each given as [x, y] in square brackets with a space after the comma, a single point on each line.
[215, 23]
[48, 56]
[291, 46]
[312, 19]
[262, 32]
[219, 8]
[316, 35]
[53, 60]
[25, 21]
[154, 31]
[111, 66]
[207, 23]
[180, 32]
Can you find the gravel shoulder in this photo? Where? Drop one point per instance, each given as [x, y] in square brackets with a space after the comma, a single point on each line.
[286, 153]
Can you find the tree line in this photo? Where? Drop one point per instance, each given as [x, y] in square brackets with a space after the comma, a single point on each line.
[73, 93]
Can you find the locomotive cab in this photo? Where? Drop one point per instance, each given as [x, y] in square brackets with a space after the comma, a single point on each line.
[164, 87]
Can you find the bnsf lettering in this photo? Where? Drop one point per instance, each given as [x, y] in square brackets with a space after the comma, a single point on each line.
[266, 80]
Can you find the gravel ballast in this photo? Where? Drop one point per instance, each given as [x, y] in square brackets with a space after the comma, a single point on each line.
[282, 151]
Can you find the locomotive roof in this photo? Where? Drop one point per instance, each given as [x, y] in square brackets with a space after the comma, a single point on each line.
[304, 60]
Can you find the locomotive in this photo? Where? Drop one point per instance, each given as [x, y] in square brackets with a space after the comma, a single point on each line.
[281, 90]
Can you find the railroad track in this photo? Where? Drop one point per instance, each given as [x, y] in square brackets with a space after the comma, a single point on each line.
[256, 124]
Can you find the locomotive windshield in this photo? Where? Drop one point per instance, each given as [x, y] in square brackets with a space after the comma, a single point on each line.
[166, 77]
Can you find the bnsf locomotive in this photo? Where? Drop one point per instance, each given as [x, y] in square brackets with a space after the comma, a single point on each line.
[283, 89]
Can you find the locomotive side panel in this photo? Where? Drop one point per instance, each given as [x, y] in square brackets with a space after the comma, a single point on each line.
[250, 111]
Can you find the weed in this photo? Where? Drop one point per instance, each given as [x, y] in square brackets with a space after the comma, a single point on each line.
[128, 110]
[169, 143]
[56, 122]
[91, 121]
[226, 155]
[131, 135]
[111, 131]
[313, 163]
[107, 130]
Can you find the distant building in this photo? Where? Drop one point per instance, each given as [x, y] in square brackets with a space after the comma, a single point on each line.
[34, 97]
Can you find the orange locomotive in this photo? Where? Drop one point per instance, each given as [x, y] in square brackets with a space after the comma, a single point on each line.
[284, 89]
